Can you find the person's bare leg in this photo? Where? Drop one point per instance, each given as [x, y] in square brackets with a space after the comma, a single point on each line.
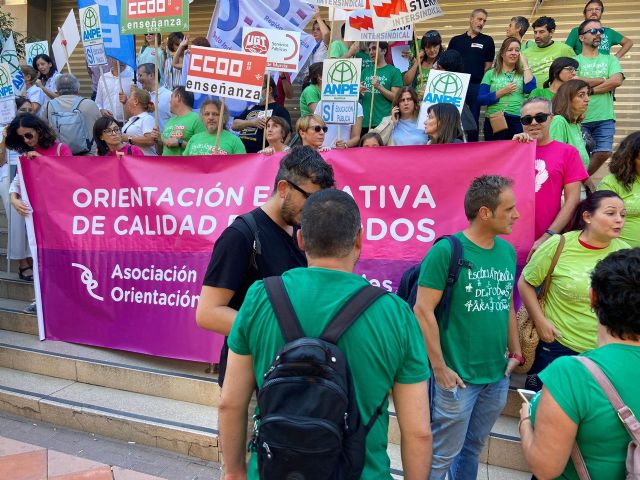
[596, 160]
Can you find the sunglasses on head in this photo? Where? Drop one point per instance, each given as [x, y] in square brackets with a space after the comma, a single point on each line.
[538, 117]
[27, 136]
[594, 31]
[317, 128]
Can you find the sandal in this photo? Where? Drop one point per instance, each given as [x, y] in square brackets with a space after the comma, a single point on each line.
[26, 278]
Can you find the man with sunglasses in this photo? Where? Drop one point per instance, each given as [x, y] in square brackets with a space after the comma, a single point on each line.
[593, 10]
[261, 243]
[559, 171]
[603, 74]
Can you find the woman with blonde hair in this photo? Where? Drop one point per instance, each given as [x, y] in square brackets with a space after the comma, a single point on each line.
[140, 130]
[311, 130]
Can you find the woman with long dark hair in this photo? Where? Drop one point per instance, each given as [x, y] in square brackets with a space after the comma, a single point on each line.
[567, 324]
[625, 181]
[443, 125]
[430, 50]
[569, 108]
[48, 73]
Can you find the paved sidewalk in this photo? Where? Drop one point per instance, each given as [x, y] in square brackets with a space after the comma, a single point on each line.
[41, 451]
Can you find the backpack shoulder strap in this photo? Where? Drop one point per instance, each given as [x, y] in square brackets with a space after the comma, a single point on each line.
[253, 226]
[281, 303]
[77, 102]
[249, 228]
[625, 414]
[350, 312]
[456, 263]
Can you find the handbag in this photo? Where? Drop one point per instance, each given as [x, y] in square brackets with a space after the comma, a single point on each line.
[498, 122]
[526, 329]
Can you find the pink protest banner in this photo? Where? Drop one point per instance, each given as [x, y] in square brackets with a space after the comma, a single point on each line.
[123, 244]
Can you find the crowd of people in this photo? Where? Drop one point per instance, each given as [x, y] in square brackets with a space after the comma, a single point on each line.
[558, 95]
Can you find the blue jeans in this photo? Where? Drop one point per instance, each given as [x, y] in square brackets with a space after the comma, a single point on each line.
[461, 422]
[602, 132]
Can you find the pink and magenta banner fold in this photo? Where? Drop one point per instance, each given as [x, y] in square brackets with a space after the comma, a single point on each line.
[123, 244]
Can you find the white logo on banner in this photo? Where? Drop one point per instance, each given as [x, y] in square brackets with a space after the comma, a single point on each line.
[87, 279]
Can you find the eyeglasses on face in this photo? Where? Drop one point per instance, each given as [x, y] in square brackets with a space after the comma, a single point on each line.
[538, 117]
[27, 136]
[594, 31]
[570, 69]
[112, 131]
[318, 128]
[304, 193]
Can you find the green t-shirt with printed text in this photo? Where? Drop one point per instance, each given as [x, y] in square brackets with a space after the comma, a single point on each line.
[567, 304]
[571, 133]
[183, 127]
[389, 77]
[540, 59]
[602, 438]
[205, 142]
[631, 198]
[609, 39]
[600, 104]
[383, 346]
[475, 342]
[510, 103]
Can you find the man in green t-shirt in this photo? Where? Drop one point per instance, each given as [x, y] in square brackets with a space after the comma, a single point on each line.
[593, 11]
[204, 143]
[383, 86]
[183, 125]
[470, 368]
[546, 50]
[603, 74]
[384, 346]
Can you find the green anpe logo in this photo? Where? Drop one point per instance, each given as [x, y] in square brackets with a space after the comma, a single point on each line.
[11, 58]
[90, 19]
[343, 72]
[4, 79]
[37, 49]
[447, 84]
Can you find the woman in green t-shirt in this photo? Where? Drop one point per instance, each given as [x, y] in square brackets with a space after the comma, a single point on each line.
[567, 325]
[503, 89]
[430, 50]
[569, 108]
[311, 94]
[625, 181]
[561, 70]
[572, 408]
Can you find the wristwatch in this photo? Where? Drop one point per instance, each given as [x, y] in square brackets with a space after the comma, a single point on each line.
[180, 142]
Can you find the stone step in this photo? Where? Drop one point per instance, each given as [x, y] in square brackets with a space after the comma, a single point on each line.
[173, 425]
[13, 288]
[4, 232]
[4, 260]
[13, 319]
[160, 377]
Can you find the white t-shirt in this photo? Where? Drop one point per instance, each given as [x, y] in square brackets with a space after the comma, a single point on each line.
[164, 97]
[335, 131]
[137, 126]
[109, 99]
[51, 83]
[35, 94]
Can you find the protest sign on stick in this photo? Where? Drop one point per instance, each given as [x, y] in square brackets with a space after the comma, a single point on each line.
[66, 41]
[220, 120]
[7, 101]
[359, 28]
[401, 13]
[146, 16]
[226, 74]
[444, 87]
[32, 50]
[282, 47]
[92, 38]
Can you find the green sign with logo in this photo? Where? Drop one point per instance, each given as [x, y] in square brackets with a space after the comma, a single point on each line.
[444, 87]
[341, 79]
[154, 16]
[92, 38]
[34, 49]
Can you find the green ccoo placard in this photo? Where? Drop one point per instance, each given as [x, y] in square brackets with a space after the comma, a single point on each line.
[154, 16]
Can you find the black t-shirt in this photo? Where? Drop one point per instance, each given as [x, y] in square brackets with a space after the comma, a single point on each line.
[251, 136]
[231, 265]
[475, 52]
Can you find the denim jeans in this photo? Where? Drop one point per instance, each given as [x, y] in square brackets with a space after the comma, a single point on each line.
[545, 354]
[461, 422]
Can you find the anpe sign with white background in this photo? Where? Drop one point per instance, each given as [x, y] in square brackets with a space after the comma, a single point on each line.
[282, 48]
[92, 39]
[444, 87]
[7, 98]
[226, 73]
[32, 50]
[341, 79]
[339, 112]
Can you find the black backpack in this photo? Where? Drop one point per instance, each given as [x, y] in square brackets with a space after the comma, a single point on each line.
[408, 288]
[309, 426]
